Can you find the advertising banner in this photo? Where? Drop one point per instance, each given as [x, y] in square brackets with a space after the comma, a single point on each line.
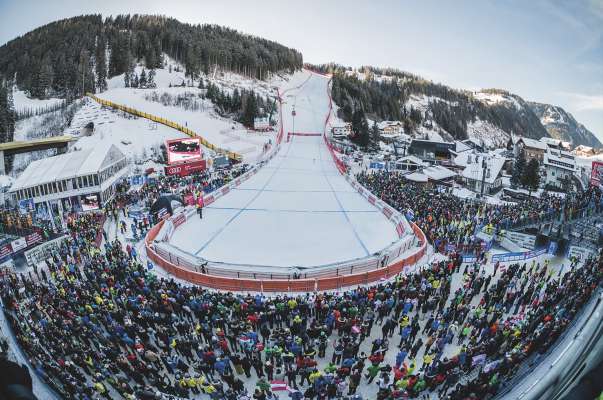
[521, 239]
[596, 176]
[5, 250]
[33, 238]
[18, 244]
[186, 168]
[180, 150]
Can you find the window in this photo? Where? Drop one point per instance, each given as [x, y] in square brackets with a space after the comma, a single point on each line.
[96, 179]
[37, 191]
[80, 184]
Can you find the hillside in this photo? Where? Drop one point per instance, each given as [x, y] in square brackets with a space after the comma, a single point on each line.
[429, 109]
[563, 126]
[77, 55]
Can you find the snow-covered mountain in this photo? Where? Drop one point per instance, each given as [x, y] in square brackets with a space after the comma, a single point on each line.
[563, 126]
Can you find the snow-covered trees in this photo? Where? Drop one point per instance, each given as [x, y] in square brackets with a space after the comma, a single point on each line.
[7, 112]
[48, 61]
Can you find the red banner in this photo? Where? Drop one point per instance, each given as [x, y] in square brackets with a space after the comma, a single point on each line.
[5, 250]
[186, 168]
[596, 176]
[33, 238]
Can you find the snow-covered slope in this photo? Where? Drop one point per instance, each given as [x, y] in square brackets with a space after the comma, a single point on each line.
[23, 103]
[563, 126]
[222, 132]
[138, 138]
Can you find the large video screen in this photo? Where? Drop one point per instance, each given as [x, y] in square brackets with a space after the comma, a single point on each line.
[90, 202]
[180, 150]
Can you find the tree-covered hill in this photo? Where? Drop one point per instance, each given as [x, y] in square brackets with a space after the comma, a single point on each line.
[72, 56]
[389, 94]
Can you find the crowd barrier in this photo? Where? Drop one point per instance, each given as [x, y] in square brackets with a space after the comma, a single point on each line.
[518, 256]
[189, 261]
[230, 154]
[281, 285]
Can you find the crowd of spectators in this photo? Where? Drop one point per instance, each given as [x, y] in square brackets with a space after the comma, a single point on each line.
[447, 219]
[95, 322]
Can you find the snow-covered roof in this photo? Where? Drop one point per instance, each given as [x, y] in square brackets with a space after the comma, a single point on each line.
[340, 124]
[586, 149]
[435, 173]
[475, 171]
[460, 146]
[411, 159]
[438, 173]
[417, 177]
[385, 124]
[67, 166]
[534, 144]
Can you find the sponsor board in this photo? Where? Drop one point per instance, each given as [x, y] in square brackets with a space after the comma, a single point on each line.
[18, 244]
[580, 253]
[521, 239]
[185, 168]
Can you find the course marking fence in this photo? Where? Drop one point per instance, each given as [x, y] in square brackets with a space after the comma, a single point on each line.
[230, 154]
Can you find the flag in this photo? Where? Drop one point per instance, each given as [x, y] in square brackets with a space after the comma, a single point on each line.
[276, 386]
[490, 366]
[478, 360]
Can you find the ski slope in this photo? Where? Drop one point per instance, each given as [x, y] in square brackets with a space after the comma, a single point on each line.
[297, 210]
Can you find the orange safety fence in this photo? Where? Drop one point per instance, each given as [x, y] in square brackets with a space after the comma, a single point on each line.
[232, 155]
[282, 285]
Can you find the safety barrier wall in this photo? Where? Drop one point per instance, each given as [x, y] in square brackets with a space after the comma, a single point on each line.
[183, 259]
[230, 154]
[281, 285]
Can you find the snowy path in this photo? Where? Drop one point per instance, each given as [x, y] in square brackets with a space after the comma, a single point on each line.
[297, 210]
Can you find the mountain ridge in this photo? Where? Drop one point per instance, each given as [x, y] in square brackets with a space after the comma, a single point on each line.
[429, 109]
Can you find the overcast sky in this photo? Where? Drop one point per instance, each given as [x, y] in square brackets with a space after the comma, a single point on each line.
[544, 50]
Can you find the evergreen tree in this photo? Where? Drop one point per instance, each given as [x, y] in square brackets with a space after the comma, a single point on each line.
[360, 128]
[142, 82]
[7, 111]
[127, 79]
[531, 175]
[101, 64]
[375, 134]
[518, 168]
[134, 81]
[251, 110]
[151, 80]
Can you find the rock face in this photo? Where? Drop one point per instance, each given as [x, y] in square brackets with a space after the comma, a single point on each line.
[563, 126]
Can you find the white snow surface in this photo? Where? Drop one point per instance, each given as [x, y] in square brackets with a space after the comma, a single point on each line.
[22, 102]
[135, 137]
[221, 132]
[297, 210]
